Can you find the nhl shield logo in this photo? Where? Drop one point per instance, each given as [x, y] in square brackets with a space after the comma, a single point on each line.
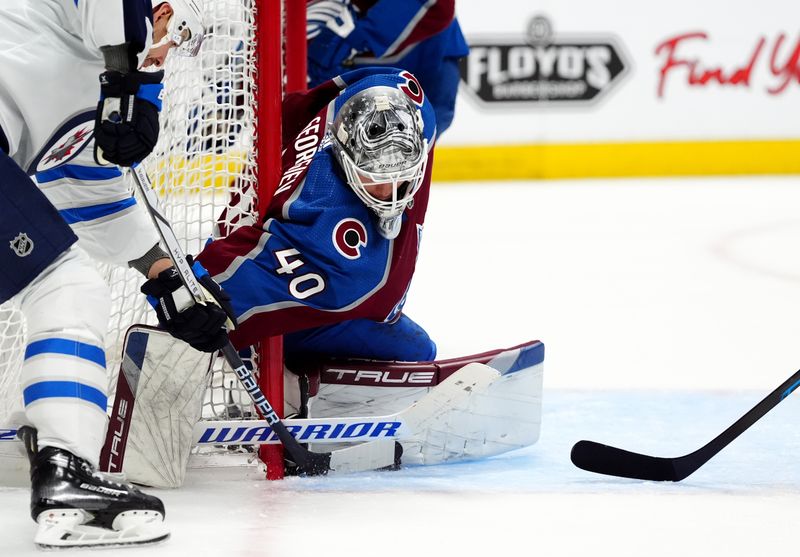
[22, 245]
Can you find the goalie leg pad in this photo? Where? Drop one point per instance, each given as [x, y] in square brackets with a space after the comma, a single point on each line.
[162, 382]
[356, 387]
[503, 415]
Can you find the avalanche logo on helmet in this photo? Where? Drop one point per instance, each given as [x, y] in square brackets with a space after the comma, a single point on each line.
[412, 88]
[349, 236]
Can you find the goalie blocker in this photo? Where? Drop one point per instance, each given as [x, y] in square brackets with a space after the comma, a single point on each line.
[447, 410]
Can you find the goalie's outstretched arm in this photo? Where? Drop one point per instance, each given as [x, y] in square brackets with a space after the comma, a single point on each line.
[310, 463]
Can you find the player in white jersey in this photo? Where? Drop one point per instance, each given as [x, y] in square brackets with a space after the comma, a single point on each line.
[57, 58]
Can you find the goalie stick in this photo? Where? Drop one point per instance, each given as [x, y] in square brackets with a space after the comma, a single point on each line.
[308, 462]
[605, 459]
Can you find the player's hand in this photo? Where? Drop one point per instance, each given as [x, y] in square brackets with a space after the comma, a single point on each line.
[203, 326]
[126, 124]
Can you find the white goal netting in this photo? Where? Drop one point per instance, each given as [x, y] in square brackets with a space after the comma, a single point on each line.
[206, 153]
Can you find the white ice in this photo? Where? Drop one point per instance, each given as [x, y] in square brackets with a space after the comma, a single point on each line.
[668, 308]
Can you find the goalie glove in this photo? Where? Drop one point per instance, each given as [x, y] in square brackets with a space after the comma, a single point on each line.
[126, 123]
[201, 325]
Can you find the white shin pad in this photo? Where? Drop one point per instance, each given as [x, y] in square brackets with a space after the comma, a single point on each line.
[64, 375]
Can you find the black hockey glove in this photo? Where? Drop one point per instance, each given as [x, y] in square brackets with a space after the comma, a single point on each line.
[126, 124]
[203, 326]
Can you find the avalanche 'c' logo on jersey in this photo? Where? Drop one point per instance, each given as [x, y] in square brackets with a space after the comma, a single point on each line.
[412, 88]
[349, 236]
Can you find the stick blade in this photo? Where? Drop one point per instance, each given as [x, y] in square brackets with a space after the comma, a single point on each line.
[612, 461]
[373, 455]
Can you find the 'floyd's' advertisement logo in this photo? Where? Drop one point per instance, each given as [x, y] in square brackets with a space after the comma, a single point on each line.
[542, 67]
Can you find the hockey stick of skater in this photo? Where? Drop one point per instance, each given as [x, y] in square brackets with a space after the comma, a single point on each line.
[307, 461]
[605, 459]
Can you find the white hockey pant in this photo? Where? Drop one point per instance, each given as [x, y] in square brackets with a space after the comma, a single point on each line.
[64, 373]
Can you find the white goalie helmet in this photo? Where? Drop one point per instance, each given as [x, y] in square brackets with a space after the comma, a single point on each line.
[378, 139]
[185, 27]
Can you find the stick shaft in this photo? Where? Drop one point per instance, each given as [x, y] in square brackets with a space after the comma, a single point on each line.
[311, 463]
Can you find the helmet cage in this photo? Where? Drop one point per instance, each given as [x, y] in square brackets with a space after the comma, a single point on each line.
[377, 138]
[405, 184]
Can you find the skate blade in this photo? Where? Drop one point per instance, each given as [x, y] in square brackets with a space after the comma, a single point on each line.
[66, 529]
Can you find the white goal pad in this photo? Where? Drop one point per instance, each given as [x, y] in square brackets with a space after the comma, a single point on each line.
[505, 416]
[158, 401]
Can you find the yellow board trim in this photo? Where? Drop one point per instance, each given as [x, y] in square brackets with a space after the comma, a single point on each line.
[599, 160]
[215, 170]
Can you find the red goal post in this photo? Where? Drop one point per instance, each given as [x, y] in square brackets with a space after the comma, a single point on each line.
[281, 41]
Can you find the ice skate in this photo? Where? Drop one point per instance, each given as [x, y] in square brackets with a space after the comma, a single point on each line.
[75, 506]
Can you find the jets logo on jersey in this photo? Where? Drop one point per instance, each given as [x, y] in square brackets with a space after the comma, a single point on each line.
[349, 236]
[66, 147]
[58, 154]
[22, 245]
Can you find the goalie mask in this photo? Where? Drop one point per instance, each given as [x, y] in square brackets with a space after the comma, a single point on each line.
[379, 143]
[185, 27]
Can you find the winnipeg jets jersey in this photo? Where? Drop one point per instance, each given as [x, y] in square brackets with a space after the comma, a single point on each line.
[317, 257]
[49, 67]
[50, 62]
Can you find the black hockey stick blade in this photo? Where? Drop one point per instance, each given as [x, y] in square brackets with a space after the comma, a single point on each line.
[613, 461]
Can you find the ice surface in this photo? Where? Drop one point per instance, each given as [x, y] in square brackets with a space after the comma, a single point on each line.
[668, 309]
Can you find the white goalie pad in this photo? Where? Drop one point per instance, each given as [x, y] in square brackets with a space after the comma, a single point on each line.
[461, 409]
[475, 412]
[467, 408]
[504, 416]
[162, 380]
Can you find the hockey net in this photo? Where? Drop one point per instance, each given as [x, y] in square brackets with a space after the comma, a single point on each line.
[219, 141]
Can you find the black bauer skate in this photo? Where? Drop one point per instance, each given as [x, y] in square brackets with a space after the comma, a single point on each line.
[78, 507]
